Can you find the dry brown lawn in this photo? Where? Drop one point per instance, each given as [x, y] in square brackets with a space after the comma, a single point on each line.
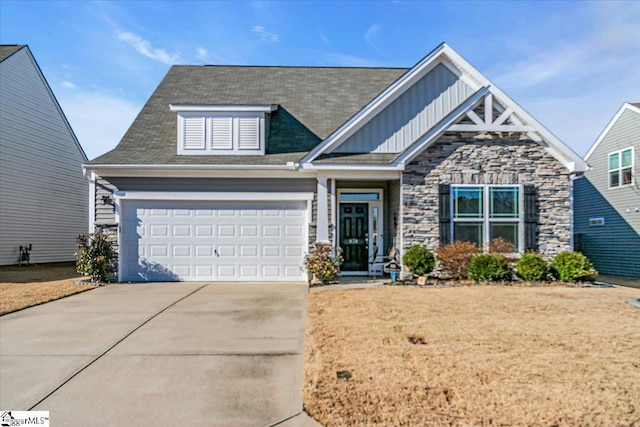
[22, 287]
[488, 355]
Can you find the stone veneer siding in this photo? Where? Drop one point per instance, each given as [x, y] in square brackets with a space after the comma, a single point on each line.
[463, 158]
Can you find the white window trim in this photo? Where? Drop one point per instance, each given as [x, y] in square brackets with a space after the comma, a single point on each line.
[207, 150]
[486, 220]
[619, 169]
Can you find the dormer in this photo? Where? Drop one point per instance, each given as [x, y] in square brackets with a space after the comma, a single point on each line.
[233, 130]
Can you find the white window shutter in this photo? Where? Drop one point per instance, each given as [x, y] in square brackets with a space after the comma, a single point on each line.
[193, 133]
[248, 133]
[221, 133]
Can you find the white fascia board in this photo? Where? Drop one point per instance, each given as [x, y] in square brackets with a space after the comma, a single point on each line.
[211, 196]
[288, 166]
[223, 108]
[203, 171]
[490, 128]
[603, 134]
[381, 101]
[350, 175]
[564, 154]
[436, 131]
[351, 167]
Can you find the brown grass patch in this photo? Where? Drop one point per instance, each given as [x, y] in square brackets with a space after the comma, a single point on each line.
[490, 355]
[22, 287]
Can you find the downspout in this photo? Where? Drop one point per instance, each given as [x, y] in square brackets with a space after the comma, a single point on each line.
[92, 201]
[401, 226]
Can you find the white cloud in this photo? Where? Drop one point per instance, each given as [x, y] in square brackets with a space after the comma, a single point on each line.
[575, 85]
[335, 59]
[202, 54]
[370, 35]
[144, 47]
[265, 35]
[67, 85]
[99, 120]
[208, 57]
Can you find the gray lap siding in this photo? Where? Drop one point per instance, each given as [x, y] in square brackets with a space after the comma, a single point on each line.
[486, 159]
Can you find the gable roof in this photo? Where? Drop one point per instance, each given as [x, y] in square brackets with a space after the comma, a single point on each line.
[626, 106]
[313, 102]
[319, 108]
[6, 50]
[444, 54]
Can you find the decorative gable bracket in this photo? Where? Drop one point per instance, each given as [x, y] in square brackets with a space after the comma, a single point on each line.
[489, 116]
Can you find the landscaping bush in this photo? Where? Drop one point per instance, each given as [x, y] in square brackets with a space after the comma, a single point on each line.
[454, 258]
[501, 246]
[531, 266]
[95, 256]
[489, 267]
[321, 265]
[572, 267]
[419, 260]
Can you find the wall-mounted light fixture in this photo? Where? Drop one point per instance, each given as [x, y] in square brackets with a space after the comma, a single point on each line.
[107, 200]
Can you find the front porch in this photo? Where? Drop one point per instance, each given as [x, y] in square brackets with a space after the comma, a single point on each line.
[361, 218]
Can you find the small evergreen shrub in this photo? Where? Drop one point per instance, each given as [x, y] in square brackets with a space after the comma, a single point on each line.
[531, 266]
[95, 256]
[454, 258]
[489, 267]
[572, 267]
[322, 265]
[419, 260]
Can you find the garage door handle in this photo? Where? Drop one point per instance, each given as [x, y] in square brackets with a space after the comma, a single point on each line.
[216, 252]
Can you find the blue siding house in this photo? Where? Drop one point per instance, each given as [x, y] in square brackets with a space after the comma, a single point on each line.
[607, 198]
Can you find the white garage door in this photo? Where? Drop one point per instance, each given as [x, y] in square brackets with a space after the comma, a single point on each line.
[201, 241]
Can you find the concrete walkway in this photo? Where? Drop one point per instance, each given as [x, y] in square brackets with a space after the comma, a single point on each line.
[151, 354]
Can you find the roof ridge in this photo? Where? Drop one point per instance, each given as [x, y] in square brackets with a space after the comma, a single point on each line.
[290, 66]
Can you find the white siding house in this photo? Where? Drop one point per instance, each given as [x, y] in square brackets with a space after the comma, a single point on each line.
[43, 193]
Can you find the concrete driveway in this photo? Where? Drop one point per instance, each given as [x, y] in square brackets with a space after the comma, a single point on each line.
[147, 354]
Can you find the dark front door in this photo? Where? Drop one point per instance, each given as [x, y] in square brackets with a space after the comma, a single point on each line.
[354, 236]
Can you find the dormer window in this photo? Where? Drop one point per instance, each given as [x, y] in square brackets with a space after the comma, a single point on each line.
[221, 130]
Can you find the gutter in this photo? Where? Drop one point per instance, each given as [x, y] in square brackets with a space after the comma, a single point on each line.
[288, 166]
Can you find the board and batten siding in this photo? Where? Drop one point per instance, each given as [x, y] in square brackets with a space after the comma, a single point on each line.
[43, 193]
[407, 118]
[613, 248]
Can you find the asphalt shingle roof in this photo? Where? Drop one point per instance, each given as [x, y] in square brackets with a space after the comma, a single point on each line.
[6, 50]
[313, 102]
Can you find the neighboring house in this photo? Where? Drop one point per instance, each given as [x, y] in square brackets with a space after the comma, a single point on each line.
[43, 193]
[229, 173]
[607, 197]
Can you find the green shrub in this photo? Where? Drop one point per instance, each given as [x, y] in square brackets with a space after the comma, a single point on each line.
[572, 267]
[454, 258]
[95, 256]
[419, 260]
[490, 267]
[322, 265]
[531, 266]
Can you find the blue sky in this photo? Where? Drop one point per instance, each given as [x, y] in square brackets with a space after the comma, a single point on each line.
[570, 64]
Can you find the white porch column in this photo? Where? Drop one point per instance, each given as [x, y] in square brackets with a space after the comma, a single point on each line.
[322, 221]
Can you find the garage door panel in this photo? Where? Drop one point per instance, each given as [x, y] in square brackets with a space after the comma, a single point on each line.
[213, 240]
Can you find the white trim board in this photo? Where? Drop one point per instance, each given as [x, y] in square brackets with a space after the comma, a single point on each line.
[223, 108]
[211, 196]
